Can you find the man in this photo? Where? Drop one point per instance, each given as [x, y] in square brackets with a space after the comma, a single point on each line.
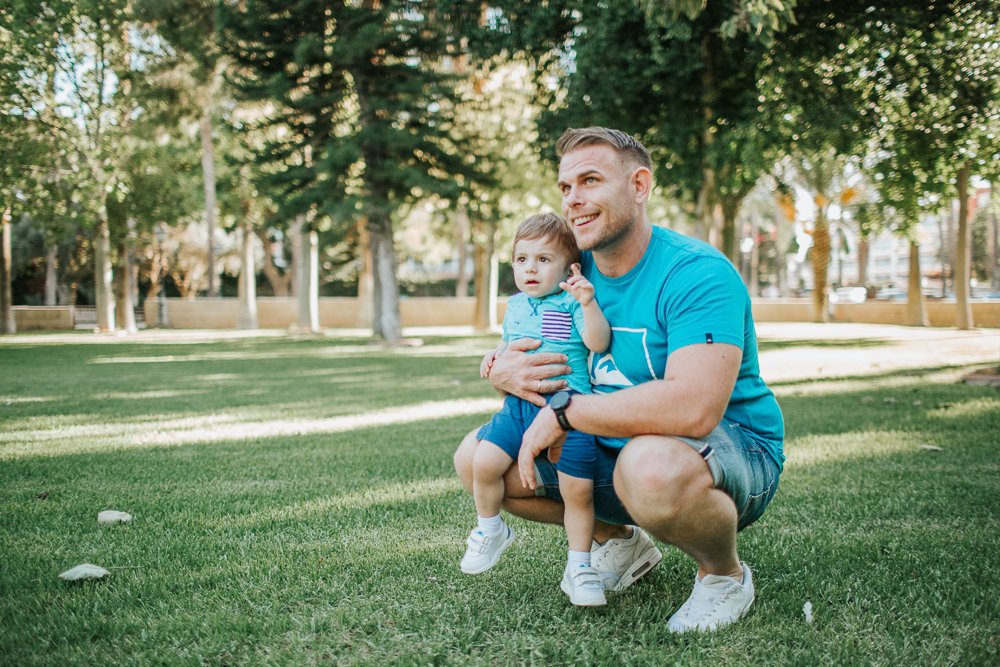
[690, 436]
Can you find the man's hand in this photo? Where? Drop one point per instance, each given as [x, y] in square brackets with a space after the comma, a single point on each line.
[544, 433]
[527, 375]
[579, 287]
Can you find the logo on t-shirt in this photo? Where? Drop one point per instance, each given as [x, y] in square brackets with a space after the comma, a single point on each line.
[605, 372]
[626, 364]
[556, 325]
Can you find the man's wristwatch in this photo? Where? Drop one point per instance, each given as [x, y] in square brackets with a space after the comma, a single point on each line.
[559, 403]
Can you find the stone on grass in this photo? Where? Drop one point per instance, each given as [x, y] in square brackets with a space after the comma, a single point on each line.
[84, 571]
[113, 516]
[807, 610]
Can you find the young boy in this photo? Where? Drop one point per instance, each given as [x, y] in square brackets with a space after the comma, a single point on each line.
[570, 322]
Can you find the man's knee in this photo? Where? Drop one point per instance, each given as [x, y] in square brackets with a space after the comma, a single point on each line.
[658, 477]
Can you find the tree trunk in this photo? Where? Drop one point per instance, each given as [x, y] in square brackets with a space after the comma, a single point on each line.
[208, 174]
[487, 282]
[308, 282]
[7, 324]
[103, 276]
[995, 257]
[916, 304]
[963, 254]
[863, 248]
[730, 244]
[366, 281]
[385, 304]
[295, 233]
[462, 250]
[248, 281]
[704, 218]
[280, 282]
[125, 310]
[51, 275]
[821, 264]
[950, 249]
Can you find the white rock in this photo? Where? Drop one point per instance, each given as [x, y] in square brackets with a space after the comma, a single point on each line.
[807, 609]
[113, 516]
[84, 571]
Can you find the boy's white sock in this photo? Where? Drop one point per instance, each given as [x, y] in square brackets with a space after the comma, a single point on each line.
[491, 525]
[578, 558]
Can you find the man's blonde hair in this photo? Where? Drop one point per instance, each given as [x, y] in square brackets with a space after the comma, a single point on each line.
[629, 148]
[549, 226]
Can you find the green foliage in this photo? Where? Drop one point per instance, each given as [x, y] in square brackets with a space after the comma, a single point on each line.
[681, 81]
[762, 20]
[914, 86]
[362, 111]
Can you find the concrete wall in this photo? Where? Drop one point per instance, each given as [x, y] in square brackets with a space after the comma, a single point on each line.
[42, 318]
[985, 314]
[334, 312]
[343, 313]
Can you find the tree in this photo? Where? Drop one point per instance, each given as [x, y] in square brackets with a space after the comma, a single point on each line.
[919, 80]
[27, 32]
[189, 26]
[367, 112]
[687, 84]
[92, 52]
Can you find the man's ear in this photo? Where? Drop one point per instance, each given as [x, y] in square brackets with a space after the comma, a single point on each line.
[642, 184]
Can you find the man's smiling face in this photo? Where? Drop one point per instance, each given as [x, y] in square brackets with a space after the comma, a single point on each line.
[597, 199]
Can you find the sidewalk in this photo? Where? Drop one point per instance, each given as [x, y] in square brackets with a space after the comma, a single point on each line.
[838, 350]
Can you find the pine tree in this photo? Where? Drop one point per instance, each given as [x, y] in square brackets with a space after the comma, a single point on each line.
[362, 115]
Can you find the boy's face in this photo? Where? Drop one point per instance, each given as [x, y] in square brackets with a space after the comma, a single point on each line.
[539, 266]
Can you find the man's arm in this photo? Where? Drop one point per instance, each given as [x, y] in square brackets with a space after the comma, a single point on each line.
[526, 375]
[690, 401]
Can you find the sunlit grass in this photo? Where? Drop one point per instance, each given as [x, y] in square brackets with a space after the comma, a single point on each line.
[294, 504]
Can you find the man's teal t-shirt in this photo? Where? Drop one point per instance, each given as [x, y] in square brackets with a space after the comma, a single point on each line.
[556, 320]
[682, 292]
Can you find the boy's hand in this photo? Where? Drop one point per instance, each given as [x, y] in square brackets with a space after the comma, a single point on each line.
[487, 364]
[579, 287]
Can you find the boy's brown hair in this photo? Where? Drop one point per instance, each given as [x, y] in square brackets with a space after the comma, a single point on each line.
[549, 226]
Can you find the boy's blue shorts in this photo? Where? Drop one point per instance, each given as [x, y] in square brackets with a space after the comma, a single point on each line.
[506, 431]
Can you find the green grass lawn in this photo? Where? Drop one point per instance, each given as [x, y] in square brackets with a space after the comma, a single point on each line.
[295, 503]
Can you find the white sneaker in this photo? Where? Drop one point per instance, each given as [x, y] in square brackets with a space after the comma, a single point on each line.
[483, 551]
[583, 586]
[620, 562]
[715, 602]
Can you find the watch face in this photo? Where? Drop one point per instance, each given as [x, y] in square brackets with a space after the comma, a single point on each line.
[560, 401]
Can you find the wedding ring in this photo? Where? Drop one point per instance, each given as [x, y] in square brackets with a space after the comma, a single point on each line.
[539, 387]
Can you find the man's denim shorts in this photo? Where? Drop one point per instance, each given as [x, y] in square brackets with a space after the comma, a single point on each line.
[738, 463]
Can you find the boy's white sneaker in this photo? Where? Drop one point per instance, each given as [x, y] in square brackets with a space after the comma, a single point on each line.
[715, 602]
[583, 586]
[482, 550]
[620, 562]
